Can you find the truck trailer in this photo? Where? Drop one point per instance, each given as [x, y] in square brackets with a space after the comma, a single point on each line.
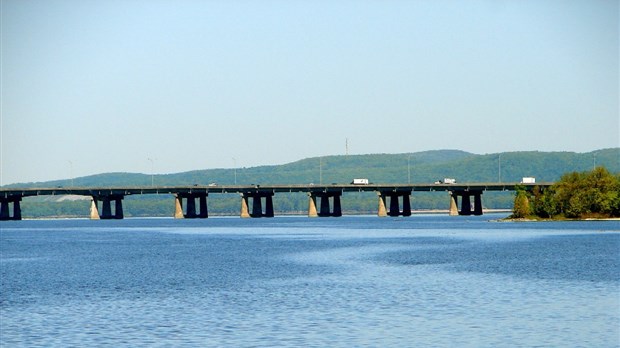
[359, 182]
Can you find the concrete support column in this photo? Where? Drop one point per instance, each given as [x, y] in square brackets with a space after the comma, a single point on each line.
[312, 212]
[106, 208]
[94, 211]
[268, 206]
[257, 204]
[245, 213]
[454, 208]
[17, 210]
[191, 211]
[118, 211]
[204, 212]
[337, 211]
[191, 207]
[328, 208]
[395, 203]
[178, 207]
[5, 209]
[382, 211]
[477, 203]
[325, 211]
[406, 205]
[257, 207]
[466, 208]
[465, 204]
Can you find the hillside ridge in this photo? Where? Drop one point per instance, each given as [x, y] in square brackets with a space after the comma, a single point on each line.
[415, 167]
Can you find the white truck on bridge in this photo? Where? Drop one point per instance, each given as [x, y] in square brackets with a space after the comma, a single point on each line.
[446, 181]
[359, 182]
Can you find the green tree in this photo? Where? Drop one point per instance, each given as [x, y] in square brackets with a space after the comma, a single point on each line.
[579, 195]
[522, 205]
[602, 191]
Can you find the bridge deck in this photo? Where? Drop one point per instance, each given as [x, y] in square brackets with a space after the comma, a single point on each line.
[137, 190]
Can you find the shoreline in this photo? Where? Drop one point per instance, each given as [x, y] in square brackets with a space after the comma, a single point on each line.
[553, 220]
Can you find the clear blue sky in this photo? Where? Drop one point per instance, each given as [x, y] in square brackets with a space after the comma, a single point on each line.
[102, 86]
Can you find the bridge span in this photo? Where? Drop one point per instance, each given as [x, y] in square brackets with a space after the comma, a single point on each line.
[393, 199]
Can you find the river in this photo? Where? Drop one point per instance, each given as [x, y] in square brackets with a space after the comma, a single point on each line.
[363, 281]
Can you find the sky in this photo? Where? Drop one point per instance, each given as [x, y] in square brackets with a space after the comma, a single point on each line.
[166, 86]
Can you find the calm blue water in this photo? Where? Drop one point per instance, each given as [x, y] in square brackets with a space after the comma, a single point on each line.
[324, 282]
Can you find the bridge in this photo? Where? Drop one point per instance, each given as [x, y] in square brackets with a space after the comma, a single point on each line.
[191, 201]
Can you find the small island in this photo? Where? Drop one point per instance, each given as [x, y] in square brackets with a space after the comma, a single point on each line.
[576, 196]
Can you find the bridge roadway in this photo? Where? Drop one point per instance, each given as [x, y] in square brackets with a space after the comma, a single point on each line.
[329, 194]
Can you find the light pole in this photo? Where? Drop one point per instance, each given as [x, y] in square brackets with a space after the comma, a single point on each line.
[152, 171]
[235, 169]
[594, 162]
[499, 168]
[71, 172]
[409, 169]
[320, 170]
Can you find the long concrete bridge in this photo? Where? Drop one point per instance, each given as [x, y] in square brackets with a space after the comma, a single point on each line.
[191, 201]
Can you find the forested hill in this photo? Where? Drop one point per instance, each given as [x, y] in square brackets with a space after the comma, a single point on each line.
[419, 167]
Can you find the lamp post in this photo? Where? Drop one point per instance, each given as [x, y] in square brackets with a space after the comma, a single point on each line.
[235, 169]
[409, 169]
[594, 162]
[152, 171]
[320, 170]
[499, 168]
[71, 172]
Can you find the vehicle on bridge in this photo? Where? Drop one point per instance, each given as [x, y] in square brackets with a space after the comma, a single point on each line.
[360, 182]
[446, 181]
[191, 200]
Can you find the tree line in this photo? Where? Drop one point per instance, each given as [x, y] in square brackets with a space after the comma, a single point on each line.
[577, 195]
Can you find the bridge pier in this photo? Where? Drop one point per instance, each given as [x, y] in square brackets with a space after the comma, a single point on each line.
[395, 206]
[454, 206]
[106, 207]
[325, 209]
[478, 203]
[5, 210]
[190, 213]
[257, 204]
[466, 204]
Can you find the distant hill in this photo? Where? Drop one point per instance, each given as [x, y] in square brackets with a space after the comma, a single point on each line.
[419, 167]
